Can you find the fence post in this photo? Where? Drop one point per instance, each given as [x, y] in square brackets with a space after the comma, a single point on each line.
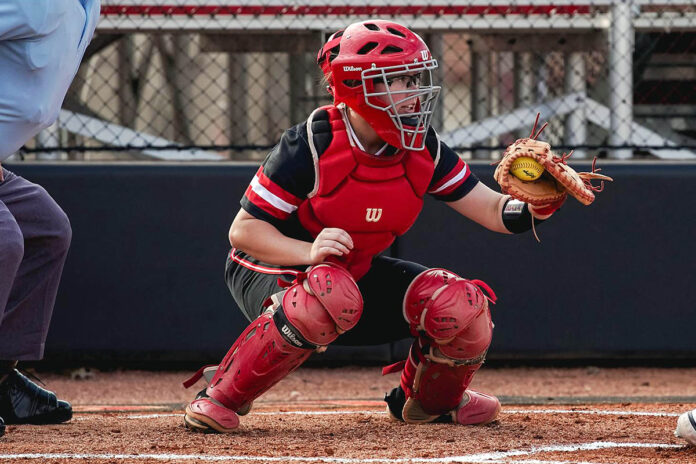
[237, 100]
[480, 93]
[621, 78]
[434, 41]
[524, 81]
[575, 123]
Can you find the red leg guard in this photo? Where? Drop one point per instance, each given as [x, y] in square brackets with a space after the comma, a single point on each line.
[259, 359]
[434, 385]
[455, 330]
[278, 342]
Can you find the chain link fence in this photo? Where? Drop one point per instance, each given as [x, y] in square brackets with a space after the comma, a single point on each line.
[221, 80]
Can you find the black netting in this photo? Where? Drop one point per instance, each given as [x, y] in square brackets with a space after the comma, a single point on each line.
[220, 80]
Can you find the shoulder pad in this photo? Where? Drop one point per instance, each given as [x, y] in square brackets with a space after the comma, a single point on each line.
[432, 144]
[319, 128]
[293, 142]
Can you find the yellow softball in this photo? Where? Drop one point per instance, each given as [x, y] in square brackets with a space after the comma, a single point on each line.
[526, 168]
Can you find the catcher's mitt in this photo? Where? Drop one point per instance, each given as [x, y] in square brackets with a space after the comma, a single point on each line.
[557, 179]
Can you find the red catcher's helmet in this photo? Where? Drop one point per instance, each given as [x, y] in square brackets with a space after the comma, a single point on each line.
[377, 51]
[326, 54]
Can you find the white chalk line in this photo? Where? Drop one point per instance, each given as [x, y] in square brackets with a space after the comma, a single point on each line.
[505, 411]
[499, 457]
[266, 413]
[263, 413]
[596, 412]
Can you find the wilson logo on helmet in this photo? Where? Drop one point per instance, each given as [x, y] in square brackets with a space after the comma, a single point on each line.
[352, 68]
[373, 214]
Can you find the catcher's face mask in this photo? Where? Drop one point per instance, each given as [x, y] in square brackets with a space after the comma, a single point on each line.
[399, 93]
[383, 71]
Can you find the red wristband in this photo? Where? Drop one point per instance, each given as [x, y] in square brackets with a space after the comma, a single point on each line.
[549, 209]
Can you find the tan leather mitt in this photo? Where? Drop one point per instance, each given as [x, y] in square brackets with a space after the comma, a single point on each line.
[557, 179]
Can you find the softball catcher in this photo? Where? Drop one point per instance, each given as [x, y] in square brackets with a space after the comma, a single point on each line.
[306, 265]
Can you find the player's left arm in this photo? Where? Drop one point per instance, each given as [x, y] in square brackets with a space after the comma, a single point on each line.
[454, 183]
[499, 212]
[484, 206]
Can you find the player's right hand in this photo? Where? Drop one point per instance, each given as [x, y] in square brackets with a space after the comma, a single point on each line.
[330, 241]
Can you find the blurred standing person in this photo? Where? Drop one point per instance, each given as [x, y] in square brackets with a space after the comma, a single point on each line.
[42, 43]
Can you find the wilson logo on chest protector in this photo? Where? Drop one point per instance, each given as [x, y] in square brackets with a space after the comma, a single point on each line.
[373, 214]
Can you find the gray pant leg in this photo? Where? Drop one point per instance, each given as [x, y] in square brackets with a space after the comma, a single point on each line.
[46, 234]
[11, 254]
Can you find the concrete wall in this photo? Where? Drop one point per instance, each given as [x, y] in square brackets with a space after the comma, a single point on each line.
[144, 277]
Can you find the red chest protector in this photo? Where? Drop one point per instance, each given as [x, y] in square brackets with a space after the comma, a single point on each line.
[373, 198]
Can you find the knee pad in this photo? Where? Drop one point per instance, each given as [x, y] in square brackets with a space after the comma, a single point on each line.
[471, 342]
[443, 306]
[419, 292]
[324, 305]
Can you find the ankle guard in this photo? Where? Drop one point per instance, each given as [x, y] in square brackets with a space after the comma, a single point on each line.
[433, 384]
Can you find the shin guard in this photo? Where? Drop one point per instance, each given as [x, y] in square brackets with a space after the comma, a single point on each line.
[454, 327]
[434, 384]
[260, 358]
[310, 314]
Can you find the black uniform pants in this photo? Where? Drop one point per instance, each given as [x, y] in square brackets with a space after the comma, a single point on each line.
[382, 288]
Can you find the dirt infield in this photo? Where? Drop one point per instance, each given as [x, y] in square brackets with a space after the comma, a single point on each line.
[551, 416]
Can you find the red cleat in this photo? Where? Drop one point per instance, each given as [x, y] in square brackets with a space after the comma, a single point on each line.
[476, 409]
[207, 415]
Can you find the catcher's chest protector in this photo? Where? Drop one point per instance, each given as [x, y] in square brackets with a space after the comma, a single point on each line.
[373, 198]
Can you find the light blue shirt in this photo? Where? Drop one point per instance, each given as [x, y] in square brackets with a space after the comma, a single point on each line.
[41, 45]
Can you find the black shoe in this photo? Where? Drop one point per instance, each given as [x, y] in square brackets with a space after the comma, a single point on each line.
[2, 427]
[24, 402]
